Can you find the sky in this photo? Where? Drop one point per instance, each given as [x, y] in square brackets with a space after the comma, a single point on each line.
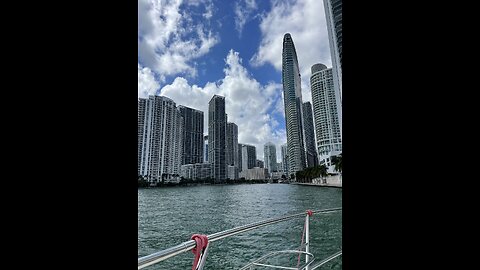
[190, 50]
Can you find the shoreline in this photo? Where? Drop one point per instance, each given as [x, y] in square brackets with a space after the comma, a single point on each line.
[319, 185]
[206, 184]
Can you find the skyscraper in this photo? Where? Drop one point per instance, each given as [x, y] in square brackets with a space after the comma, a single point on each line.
[285, 159]
[160, 130]
[292, 94]
[310, 149]
[217, 125]
[327, 110]
[333, 15]
[247, 156]
[270, 157]
[192, 135]
[232, 144]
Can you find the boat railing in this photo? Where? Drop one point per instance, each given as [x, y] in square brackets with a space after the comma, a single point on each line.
[191, 244]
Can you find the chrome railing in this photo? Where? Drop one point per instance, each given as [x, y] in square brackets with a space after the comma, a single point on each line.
[189, 245]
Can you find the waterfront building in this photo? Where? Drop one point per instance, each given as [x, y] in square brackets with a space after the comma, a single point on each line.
[270, 157]
[232, 172]
[231, 146]
[254, 173]
[192, 135]
[310, 149]
[247, 156]
[198, 171]
[285, 159]
[292, 94]
[160, 135]
[217, 125]
[326, 110]
[333, 16]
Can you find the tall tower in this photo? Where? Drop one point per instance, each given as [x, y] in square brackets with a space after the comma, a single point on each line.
[285, 160]
[310, 149]
[247, 156]
[292, 93]
[217, 125]
[160, 130]
[192, 135]
[333, 15]
[232, 144]
[270, 157]
[327, 111]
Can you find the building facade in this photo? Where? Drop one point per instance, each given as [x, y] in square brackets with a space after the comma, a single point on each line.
[310, 149]
[231, 146]
[198, 171]
[254, 173]
[247, 156]
[160, 134]
[326, 108]
[284, 151]
[333, 16]
[217, 126]
[232, 172]
[192, 135]
[270, 157]
[292, 94]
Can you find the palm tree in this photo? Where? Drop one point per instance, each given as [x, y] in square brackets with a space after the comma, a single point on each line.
[323, 171]
[337, 161]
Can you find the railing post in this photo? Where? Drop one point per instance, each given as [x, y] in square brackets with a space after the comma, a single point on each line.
[307, 238]
[201, 264]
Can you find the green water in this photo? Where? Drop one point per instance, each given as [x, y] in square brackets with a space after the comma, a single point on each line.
[169, 216]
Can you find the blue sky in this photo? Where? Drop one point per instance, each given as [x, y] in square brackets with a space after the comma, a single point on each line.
[192, 49]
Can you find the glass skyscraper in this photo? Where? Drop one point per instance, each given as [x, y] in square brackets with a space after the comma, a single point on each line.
[311, 151]
[192, 135]
[292, 93]
[217, 126]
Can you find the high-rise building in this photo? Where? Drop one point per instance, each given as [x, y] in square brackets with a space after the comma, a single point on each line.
[333, 15]
[160, 134]
[232, 144]
[292, 94]
[270, 157]
[310, 149]
[217, 126]
[259, 163]
[192, 135]
[247, 156]
[326, 109]
[285, 159]
[280, 167]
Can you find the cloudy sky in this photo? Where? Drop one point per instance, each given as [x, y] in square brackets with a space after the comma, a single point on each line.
[189, 50]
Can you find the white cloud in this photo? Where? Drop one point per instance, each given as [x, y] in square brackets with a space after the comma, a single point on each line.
[243, 10]
[147, 85]
[305, 21]
[208, 11]
[248, 103]
[168, 39]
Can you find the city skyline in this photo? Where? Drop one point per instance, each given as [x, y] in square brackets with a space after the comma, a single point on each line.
[201, 48]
